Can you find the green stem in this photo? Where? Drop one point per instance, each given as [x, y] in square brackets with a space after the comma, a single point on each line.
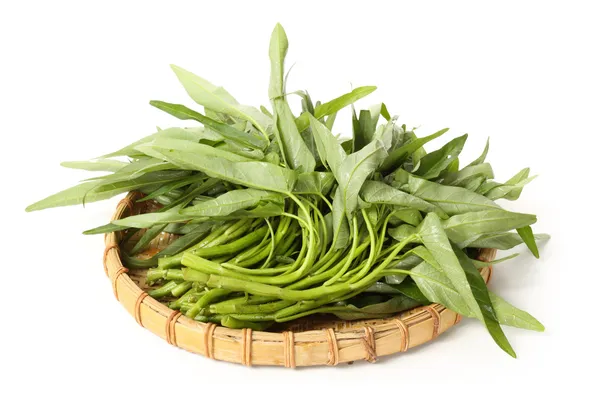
[372, 251]
[191, 296]
[350, 256]
[164, 290]
[181, 288]
[208, 298]
[232, 247]
[265, 307]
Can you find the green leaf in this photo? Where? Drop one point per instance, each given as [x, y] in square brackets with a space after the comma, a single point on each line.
[198, 232]
[406, 263]
[483, 264]
[434, 163]
[293, 148]
[230, 202]
[353, 172]
[482, 296]
[330, 151]
[227, 131]
[341, 229]
[147, 238]
[408, 215]
[97, 165]
[309, 139]
[384, 112]
[382, 288]
[148, 220]
[416, 156]
[211, 97]
[379, 110]
[71, 196]
[254, 174]
[178, 245]
[295, 151]
[463, 176]
[452, 168]
[379, 193]
[473, 183]
[137, 168]
[266, 112]
[432, 235]
[241, 150]
[512, 189]
[193, 135]
[330, 120]
[176, 184]
[97, 190]
[481, 158]
[526, 233]
[396, 304]
[453, 200]
[335, 105]
[307, 103]
[108, 228]
[510, 315]
[277, 51]
[467, 227]
[386, 133]
[314, 183]
[433, 283]
[402, 232]
[263, 210]
[363, 129]
[197, 149]
[397, 156]
[502, 240]
[409, 288]
[152, 178]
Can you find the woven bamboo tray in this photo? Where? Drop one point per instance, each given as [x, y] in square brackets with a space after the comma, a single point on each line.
[305, 342]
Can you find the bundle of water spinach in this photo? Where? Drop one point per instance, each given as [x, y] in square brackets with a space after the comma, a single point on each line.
[278, 218]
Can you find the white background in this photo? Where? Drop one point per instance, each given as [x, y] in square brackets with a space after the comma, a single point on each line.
[75, 81]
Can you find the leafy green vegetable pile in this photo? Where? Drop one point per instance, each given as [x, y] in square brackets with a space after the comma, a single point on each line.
[279, 219]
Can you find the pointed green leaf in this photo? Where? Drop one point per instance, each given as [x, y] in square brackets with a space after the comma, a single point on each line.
[97, 165]
[432, 235]
[453, 200]
[510, 315]
[254, 174]
[190, 134]
[296, 154]
[434, 163]
[335, 105]
[481, 158]
[277, 51]
[380, 193]
[502, 240]
[207, 95]
[526, 233]
[355, 169]
[314, 183]
[397, 156]
[230, 202]
[465, 228]
[482, 296]
[461, 177]
[71, 196]
[330, 151]
[227, 131]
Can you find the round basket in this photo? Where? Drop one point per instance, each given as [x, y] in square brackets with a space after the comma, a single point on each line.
[305, 342]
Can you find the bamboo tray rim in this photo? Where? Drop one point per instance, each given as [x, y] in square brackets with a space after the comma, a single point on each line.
[366, 339]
